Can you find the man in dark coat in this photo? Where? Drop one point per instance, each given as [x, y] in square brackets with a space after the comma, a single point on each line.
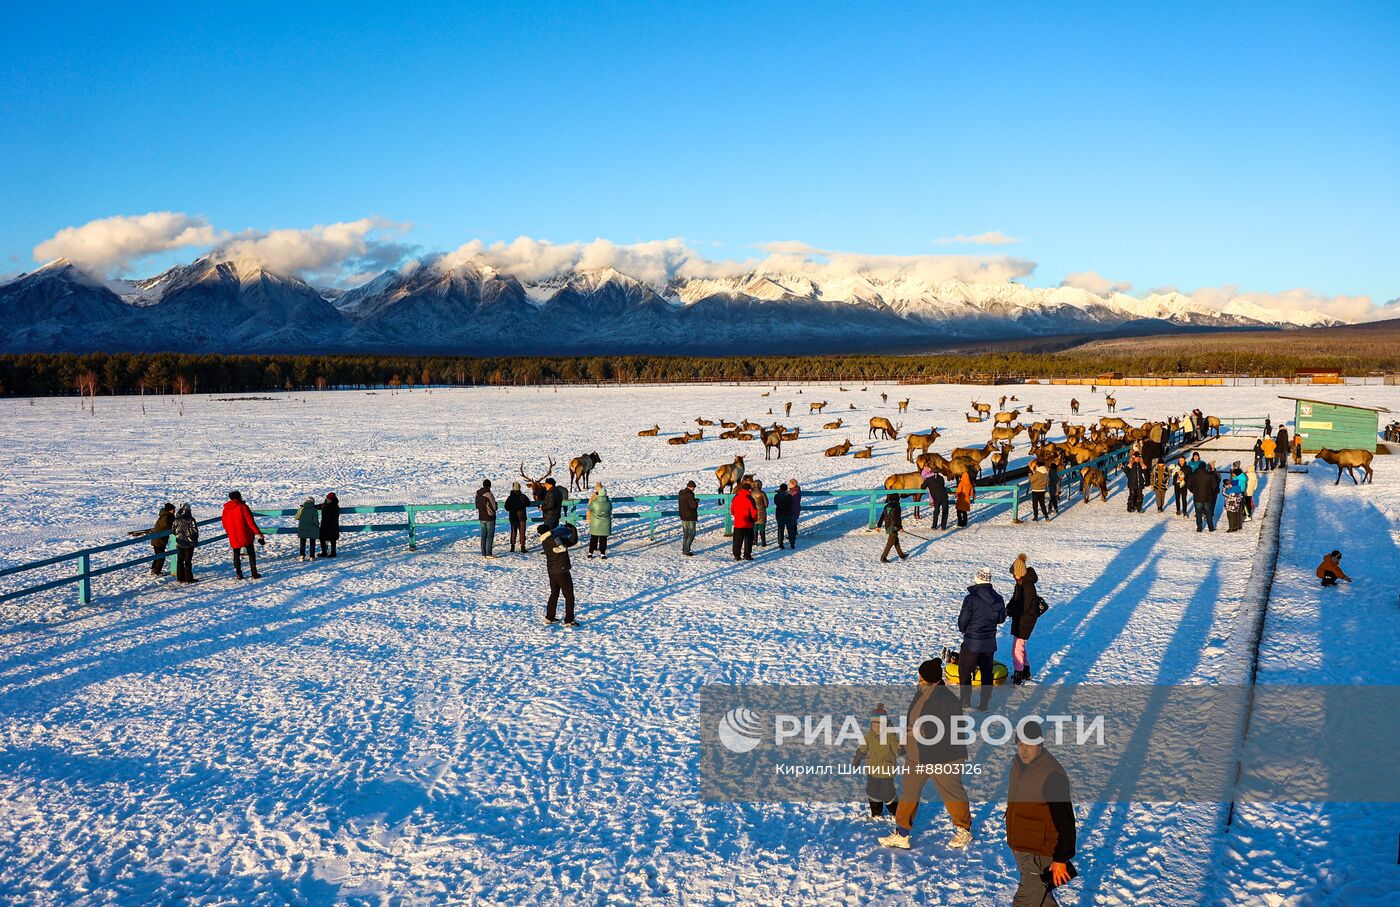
[937, 490]
[1204, 485]
[929, 750]
[782, 512]
[983, 611]
[1040, 827]
[159, 541]
[689, 512]
[552, 504]
[1136, 470]
[486, 508]
[561, 577]
[1281, 450]
[330, 524]
[516, 505]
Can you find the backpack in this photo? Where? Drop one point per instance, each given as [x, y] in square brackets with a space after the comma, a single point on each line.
[566, 534]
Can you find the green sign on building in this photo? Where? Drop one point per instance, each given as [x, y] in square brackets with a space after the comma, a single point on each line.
[1338, 426]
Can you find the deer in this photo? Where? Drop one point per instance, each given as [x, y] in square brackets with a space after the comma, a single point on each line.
[1113, 423]
[972, 418]
[1349, 459]
[863, 454]
[773, 440]
[679, 439]
[904, 404]
[765, 393]
[977, 453]
[885, 430]
[983, 409]
[792, 435]
[701, 421]
[918, 442]
[1030, 407]
[787, 408]
[1074, 406]
[730, 474]
[840, 450]
[730, 435]
[743, 436]
[851, 406]
[832, 425]
[1001, 404]
[1213, 426]
[884, 398]
[1112, 402]
[816, 407]
[580, 468]
[537, 488]
[724, 424]
[1091, 478]
[999, 460]
[1007, 417]
[746, 425]
[649, 432]
[844, 391]
[1007, 432]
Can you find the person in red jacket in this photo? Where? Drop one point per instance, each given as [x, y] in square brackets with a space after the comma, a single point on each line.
[745, 514]
[241, 529]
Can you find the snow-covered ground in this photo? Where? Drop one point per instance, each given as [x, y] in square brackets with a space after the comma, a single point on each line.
[399, 726]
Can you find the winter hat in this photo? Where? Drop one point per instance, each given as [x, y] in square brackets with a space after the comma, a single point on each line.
[1335, 554]
[690, 484]
[544, 529]
[168, 506]
[891, 498]
[485, 483]
[235, 496]
[514, 486]
[1018, 567]
[984, 575]
[931, 671]
[1031, 731]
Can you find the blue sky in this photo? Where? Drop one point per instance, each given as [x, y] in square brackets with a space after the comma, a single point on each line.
[1248, 145]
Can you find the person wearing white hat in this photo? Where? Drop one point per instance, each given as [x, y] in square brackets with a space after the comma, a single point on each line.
[983, 611]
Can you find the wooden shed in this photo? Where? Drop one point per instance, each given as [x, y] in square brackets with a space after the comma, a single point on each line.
[1335, 425]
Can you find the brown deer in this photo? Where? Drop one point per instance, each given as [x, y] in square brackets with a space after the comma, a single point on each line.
[680, 439]
[773, 440]
[832, 425]
[1074, 406]
[977, 453]
[1007, 432]
[787, 408]
[580, 468]
[1000, 458]
[1007, 417]
[700, 421]
[1030, 407]
[863, 454]
[746, 425]
[882, 426]
[649, 432]
[972, 418]
[1091, 478]
[1113, 423]
[840, 450]
[730, 474]
[884, 398]
[904, 404]
[983, 409]
[918, 442]
[1212, 426]
[792, 435]
[724, 424]
[537, 488]
[730, 435]
[1112, 402]
[1001, 404]
[1349, 459]
[743, 436]
[816, 407]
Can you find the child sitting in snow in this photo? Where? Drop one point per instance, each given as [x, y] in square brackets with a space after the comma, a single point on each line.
[880, 753]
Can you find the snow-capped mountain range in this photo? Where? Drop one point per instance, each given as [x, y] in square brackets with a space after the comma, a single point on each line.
[212, 305]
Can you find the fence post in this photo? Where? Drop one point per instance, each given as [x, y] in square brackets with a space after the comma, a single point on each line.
[728, 518]
[84, 580]
[412, 528]
[870, 517]
[1016, 503]
[653, 511]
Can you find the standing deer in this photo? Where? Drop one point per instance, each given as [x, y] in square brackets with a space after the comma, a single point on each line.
[884, 398]
[1112, 402]
[580, 468]
[1074, 406]
[773, 440]
[787, 408]
[1001, 404]
[880, 427]
[983, 409]
[537, 489]
[919, 442]
[730, 474]
[1006, 418]
[816, 407]
[904, 404]
[1349, 459]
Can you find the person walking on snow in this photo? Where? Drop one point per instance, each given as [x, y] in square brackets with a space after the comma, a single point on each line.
[743, 513]
[599, 521]
[1330, 570]
[782, 512]
[760, 503]
[983, 611]
[1024, 611]
[937, 490]
[330, 524]
[930, 754]
[308, 526]
[892, 519]
[486, 508]
[1040, 827]
[966, 495]
[241, 530]
[688, 509]
[561, 577]
[879, 751]
[516, 505]
[1181, 474]
[1160, 483]
[1136, 470]
[185, 530]
[1268, 450]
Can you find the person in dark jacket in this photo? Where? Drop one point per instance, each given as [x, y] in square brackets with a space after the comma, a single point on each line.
[937, 489]
[760, 503]
[1268, 426]
[552, 504]
[892, 519]
[689, 512]
[330, 524]
[1024, 611]
[1259, 455]
[1204, 486]
[561, 577]
[1181, 477]
[159, 541]
[1040, 827]
[795, 493]
[516, 506]
[744, 514]
[486, 508]
[1052, 469]
[185, 530]
[782, 512]
[1281, 449]
[241, 529]
[983, 611]
[929, 753]
[1136, 471]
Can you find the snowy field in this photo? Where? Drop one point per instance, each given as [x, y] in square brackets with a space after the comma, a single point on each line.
[399, 727]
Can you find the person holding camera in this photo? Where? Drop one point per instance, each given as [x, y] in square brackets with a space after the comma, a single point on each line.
[1040, 825]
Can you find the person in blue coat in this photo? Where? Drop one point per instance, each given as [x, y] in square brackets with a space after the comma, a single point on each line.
[983, 611]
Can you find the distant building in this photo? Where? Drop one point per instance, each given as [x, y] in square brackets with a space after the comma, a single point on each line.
[1337, 426]
[1318, 376]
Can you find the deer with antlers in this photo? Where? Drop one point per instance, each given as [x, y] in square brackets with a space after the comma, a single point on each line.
[537, 486]
[983, 409]
[1112, 402]
[880, 427]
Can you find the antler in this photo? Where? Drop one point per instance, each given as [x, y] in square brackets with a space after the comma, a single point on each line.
[550, 471]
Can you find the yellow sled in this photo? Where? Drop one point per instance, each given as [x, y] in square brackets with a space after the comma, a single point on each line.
[999, 674]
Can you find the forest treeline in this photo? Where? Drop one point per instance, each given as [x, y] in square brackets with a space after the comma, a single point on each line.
[45, 374]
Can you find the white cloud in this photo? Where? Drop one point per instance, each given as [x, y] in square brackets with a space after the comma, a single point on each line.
[1095, 283]
[990, 238]
[1296, 301]
[111, 244]
[325, 251]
